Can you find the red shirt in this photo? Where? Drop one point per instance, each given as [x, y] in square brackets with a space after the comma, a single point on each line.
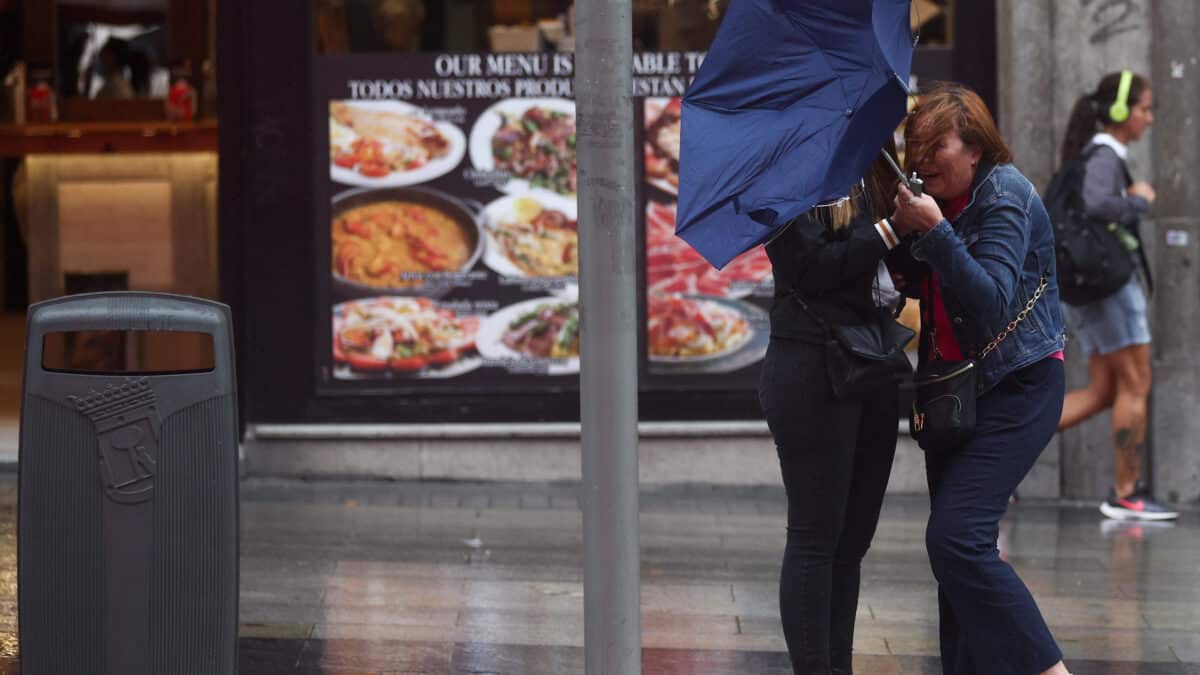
[945, 345]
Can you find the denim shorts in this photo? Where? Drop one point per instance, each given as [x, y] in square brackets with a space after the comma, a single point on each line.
[1113, 323]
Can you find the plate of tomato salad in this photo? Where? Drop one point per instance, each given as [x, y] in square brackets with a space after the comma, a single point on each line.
[389, 144]
[402, 337]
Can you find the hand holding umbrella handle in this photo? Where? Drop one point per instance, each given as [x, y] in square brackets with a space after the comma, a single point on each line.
[914, 214]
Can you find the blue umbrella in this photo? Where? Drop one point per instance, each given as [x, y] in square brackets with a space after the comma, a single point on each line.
[793, 101]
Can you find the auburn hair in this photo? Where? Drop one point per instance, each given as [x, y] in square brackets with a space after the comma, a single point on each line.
[946, 107]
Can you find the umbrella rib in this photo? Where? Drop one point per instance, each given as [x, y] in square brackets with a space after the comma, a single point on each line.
[824, 55]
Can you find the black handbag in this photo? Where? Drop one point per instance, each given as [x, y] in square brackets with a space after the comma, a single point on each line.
[861, 358]
[943, 409]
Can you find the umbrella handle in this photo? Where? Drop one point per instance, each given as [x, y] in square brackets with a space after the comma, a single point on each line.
[914, 182]
[916, 185]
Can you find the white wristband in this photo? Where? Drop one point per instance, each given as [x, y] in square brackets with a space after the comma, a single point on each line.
[884, 228]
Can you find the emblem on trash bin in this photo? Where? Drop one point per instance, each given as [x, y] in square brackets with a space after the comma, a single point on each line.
[126, 419]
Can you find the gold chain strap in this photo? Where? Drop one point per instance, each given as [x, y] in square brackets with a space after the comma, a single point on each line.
[1012, 326]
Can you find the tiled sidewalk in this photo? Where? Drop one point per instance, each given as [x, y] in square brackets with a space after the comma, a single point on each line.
[373, 578]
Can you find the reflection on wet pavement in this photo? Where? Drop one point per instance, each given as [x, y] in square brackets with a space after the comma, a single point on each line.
[383, 578]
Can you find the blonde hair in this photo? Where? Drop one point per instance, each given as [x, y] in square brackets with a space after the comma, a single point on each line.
[838, 214]
[873, 196]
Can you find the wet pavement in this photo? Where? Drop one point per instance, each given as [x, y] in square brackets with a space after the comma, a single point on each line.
[388, 578]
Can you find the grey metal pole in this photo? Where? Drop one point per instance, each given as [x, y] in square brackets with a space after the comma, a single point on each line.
[608, 349]
[1175, 79]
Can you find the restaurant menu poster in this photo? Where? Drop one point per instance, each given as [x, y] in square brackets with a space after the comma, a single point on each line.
[447, 233]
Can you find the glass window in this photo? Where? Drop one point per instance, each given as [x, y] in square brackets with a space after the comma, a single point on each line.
[112, 53]
[679, 25]
[934, 20]
[369, 25]
[358, 26]
[92, 60]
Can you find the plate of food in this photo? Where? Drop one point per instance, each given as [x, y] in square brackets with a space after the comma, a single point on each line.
[672, 266]
[533, 141]
[663, 123]
[389, 337]
[539, 331]
[389, 143]
[691, 329]
[526, 238]
[404, 241]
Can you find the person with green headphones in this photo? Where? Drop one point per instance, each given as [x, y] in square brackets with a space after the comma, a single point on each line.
[1113, 331]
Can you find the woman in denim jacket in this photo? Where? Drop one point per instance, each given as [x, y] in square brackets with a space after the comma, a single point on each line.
[981, 249]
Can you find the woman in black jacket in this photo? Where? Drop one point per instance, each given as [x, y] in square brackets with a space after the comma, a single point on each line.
[835, 453]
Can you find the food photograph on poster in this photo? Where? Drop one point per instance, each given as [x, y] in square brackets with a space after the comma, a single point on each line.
[389, 143]
[402, 241]
[663, 128]
[538, 335]
[533, 141]
[699, 320]
[527, 238]
[399, 337]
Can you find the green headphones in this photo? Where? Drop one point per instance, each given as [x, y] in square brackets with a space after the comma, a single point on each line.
[1119, 111]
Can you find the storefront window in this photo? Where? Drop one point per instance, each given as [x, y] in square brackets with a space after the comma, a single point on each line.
[110, 54]
[344, 26]
[677, 25]
[934, 21]
[365, 26]
[107, 60]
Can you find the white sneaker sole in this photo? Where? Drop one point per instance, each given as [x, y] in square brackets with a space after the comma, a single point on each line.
[1127, 514]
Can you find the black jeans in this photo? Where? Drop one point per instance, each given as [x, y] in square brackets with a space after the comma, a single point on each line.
[989, 623]
[836, 456]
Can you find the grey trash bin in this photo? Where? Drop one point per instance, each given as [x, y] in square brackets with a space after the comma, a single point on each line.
[127, 541]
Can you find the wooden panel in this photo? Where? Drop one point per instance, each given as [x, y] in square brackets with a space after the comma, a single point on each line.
[149, 214]
[509, 12]
[329, 27]
[110, 15]
[80, 109]
[107, 226]
[212, 286]
[192, 207]
[187, 33]
[97, 137]
[12, 351]
[41, 227]
[41, 36]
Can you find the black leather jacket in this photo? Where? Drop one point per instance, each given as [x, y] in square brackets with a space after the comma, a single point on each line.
[833, 271]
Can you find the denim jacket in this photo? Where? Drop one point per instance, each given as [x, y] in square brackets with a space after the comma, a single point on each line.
[990, 262]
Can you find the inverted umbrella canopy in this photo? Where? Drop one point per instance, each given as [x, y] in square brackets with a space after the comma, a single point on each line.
[793, 101]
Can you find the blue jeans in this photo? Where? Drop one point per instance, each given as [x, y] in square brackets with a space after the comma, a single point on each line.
[989, 622]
